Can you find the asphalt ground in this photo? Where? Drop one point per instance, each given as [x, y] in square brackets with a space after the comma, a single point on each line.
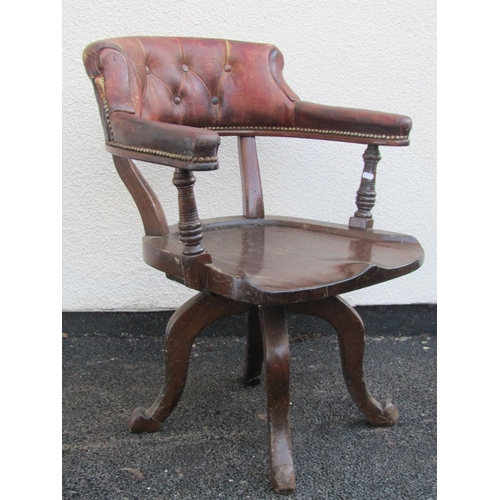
[214, 445]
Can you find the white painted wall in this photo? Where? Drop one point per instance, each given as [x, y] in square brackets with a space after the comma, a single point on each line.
[374, 54]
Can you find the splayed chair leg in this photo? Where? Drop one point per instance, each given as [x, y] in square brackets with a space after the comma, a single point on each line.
[277, 356]
[254, 348]
[351, 333]
[182, 329]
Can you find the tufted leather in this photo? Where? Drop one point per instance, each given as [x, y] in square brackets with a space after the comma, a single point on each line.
[145, 83]
[196, 82]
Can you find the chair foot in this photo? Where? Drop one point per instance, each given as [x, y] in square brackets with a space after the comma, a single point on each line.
[254, 348]
[277, 355]
[140, 421]
[386, 416]
[283, 479]
[351, 332]
[182, 329]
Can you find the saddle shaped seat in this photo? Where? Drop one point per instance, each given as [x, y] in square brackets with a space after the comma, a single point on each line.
[168, 101]
[280, 260]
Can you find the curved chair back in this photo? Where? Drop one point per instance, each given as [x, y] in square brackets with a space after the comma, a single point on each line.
[192, 81]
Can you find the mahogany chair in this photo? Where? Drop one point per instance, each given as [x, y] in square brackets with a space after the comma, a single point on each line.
[168, 101]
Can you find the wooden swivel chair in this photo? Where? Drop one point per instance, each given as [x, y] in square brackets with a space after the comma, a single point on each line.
[168, 101]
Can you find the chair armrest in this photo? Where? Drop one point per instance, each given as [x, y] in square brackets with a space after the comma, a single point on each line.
[373, 127]
[188, 148]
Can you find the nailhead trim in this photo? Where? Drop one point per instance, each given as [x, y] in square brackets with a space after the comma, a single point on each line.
[156, 152]
[317, 131]
[99, 81]
[165, 154]
[200, 159]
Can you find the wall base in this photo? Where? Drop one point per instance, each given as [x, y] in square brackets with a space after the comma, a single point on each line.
[397, 320]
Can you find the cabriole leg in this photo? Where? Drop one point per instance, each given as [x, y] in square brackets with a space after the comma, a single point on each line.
[182, 329]
[277, 355]
[351, 333]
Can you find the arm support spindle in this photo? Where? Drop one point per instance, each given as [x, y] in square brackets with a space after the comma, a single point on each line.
[365, 196]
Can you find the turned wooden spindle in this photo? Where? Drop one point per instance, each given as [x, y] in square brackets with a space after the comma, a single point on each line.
[194, 256]
[190, 227]
[365, 196]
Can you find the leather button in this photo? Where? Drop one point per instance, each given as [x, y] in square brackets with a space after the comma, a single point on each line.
[177, 99]
[215, 100]
[148, 70]
[227, 68]
[185, 68]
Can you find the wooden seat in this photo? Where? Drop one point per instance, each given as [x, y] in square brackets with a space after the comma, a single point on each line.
[169, 101]
[282, 260]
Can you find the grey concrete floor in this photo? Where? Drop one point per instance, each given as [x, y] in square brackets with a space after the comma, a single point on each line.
[214, 445]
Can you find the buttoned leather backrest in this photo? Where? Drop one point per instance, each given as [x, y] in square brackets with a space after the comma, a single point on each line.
[193, 81]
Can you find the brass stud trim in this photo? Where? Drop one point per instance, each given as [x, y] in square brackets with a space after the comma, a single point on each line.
[99, 82]
[318, 131]
[165, 154]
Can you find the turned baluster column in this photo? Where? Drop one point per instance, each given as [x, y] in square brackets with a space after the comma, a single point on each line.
[194, 256]
[365, 196]
[190, 228]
